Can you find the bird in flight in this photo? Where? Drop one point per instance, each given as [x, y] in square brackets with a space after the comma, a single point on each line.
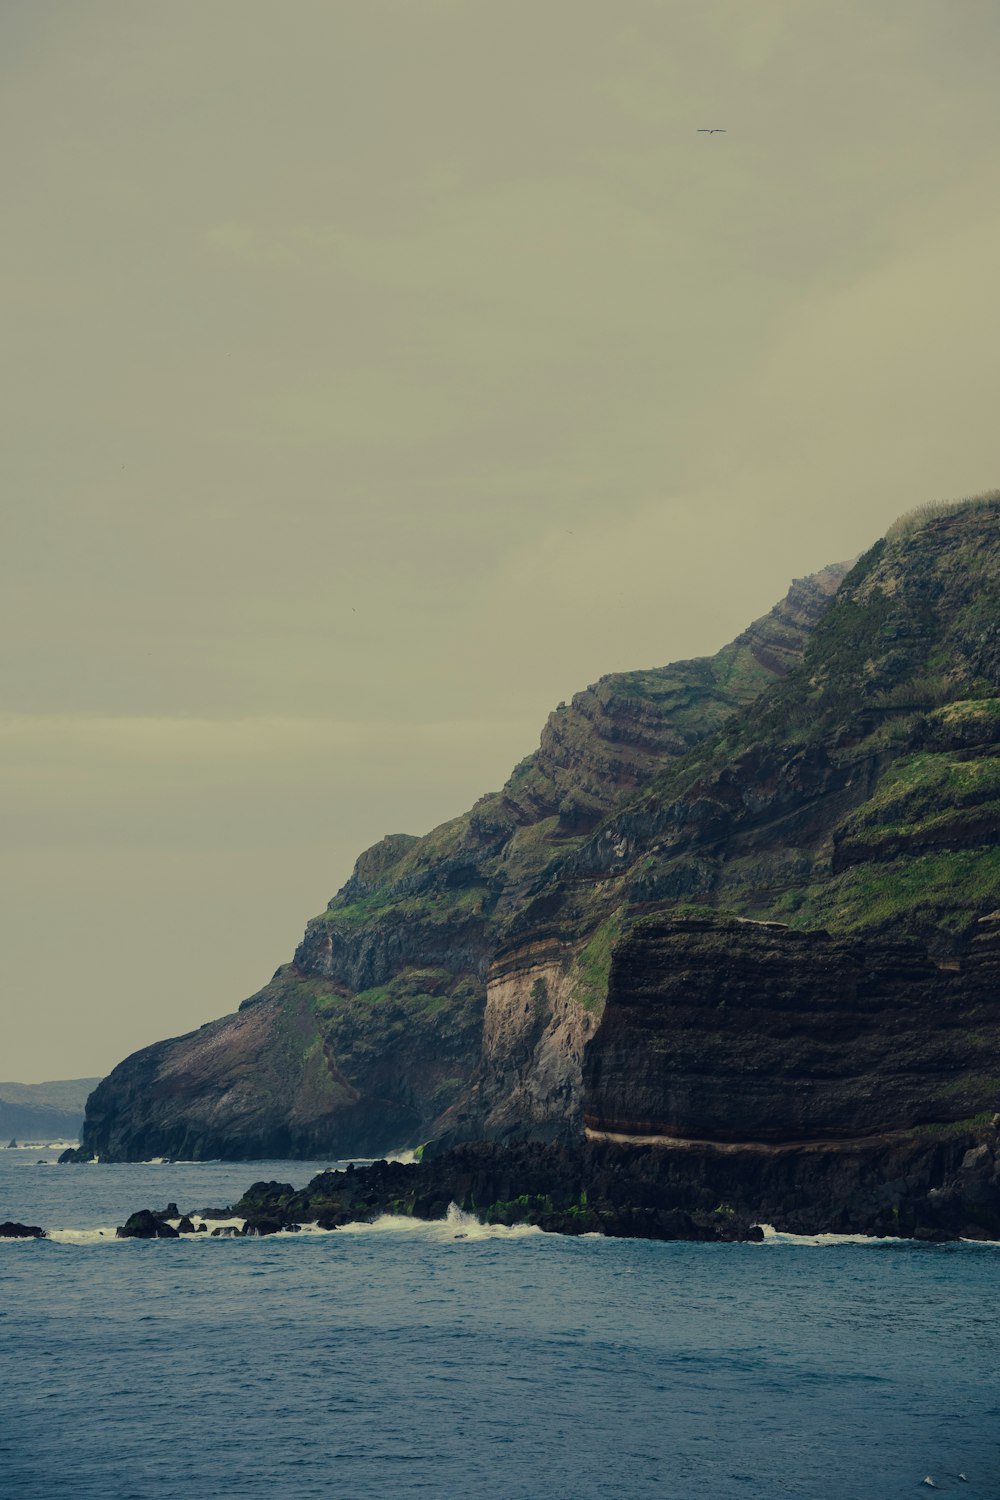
[711, 130]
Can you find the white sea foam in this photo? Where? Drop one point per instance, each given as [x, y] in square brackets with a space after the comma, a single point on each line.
[773, 1236]
[174, 1161]
[100, 1235]
[105, 1233]
[457, 1225]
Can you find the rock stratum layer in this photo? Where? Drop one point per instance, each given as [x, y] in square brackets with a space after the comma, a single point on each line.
[573, 946]
[733, 1031]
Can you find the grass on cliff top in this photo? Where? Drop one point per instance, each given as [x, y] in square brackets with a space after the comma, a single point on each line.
[739, 674]
[922, 792]
[433, 906]
[971, 720]
[442, 841]
[531, 848]
[947, 891]
[897, 634]
[915, 519]
[409, 856]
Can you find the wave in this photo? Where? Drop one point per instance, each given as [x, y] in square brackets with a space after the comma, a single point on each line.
[457, 1225]
[774, 1236]
[106, 1233]
[99, 1236]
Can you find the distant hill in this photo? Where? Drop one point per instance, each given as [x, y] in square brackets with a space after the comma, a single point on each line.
[53, 1111]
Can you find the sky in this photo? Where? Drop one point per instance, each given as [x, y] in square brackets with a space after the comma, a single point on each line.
[375, 374]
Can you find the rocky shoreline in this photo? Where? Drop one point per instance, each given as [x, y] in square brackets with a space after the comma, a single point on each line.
[941, 1186]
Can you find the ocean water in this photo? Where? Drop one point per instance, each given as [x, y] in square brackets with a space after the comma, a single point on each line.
[450, 1360]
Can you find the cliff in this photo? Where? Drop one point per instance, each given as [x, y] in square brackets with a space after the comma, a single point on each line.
[373, 1036]
[734, 1031]
[734, 904]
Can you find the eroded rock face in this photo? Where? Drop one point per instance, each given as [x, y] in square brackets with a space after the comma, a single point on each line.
[723, 1030]
[617, 735]
[267, 1081]
[537, 1022]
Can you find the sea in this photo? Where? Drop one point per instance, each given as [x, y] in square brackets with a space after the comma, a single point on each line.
[401, 1359]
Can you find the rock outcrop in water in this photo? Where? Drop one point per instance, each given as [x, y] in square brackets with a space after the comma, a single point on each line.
[9, 1230]
[739, 913]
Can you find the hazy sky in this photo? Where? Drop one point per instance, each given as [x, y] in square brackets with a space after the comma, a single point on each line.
[376, 373]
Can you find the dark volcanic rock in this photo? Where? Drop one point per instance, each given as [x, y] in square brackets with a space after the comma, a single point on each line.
[12, 1231]
[76, 1154]
[729, 1030]
[146, 1225]
[936, 1183]
[587, 1190]
[269, 1223]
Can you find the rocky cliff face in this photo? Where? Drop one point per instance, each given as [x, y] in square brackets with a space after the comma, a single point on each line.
[736, 1031]
[835, 771]
[374, 1036]
[267, 1082]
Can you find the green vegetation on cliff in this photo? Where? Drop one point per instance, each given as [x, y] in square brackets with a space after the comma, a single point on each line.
[861, 792]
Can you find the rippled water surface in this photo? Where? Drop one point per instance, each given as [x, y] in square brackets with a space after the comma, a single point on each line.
[396, 1360]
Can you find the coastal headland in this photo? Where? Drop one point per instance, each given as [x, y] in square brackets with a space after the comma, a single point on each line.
[727, 945]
